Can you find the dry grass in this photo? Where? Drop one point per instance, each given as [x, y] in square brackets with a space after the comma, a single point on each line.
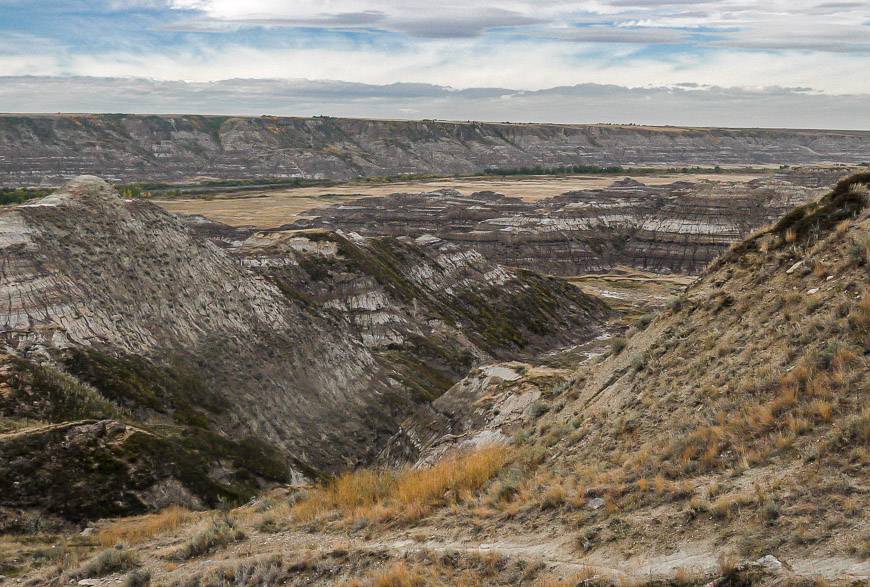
[859, 317]
[587, 576]
[141, 528]
[399, 575]
[378, 496]
[726, 506]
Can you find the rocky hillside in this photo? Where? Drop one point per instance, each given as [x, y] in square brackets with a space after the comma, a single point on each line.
[146, 365]
[48, 149]
[732, 427]
[671, 228]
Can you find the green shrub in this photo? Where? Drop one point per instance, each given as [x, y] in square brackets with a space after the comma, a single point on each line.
[21, 195]
[638, 362]
[617, 344]
[644, 321]
[138, 578]
[538, 409]
[676, 304]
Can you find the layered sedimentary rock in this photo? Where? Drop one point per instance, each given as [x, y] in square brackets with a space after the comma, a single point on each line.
[672, 228]
[47, 149]
[424, 293]
[300, 351]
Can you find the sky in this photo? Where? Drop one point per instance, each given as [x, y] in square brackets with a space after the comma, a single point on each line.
[796, 63]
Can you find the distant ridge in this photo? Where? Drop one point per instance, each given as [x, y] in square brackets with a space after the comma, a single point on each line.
[49, 149]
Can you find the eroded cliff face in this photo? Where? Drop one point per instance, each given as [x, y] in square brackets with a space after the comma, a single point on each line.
[85, 269]
[311, 344]
[47, 149]
[672, 228]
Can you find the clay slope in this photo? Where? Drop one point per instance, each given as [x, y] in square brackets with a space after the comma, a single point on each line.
[49, 149]
[733, 426]
[220, 370]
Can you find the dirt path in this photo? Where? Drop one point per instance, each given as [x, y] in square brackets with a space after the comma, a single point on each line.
[553, 551]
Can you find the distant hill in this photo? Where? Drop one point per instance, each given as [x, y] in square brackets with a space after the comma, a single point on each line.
[48, 149]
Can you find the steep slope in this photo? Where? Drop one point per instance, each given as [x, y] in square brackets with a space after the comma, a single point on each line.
[398, 293]
[220, 369]
[47, 149]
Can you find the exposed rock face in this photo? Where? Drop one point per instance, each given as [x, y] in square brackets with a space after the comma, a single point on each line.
[488, 406]
[312, 344]
[679, 227]
[84, 268]
[49, 149]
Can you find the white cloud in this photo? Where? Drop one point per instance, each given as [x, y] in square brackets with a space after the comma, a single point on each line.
[807, 24]
[464, 63]
[520, 44]
[694, 105]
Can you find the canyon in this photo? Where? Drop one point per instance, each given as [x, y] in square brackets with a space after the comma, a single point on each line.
[122, 313]
[295, 378]
[675, 227]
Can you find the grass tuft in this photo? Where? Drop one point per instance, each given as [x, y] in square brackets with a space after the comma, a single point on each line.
[141, 528]
[381, 495]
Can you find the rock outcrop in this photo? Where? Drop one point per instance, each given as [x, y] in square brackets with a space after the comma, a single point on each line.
[47, 149]
[312, 346]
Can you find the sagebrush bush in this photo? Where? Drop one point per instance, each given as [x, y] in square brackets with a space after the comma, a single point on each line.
[617, 344]
[218, 533]
[111, 560]
[138, 578]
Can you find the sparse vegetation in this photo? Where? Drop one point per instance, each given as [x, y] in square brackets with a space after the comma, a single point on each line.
[45, 393]
[741, 417]
[111, 560]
